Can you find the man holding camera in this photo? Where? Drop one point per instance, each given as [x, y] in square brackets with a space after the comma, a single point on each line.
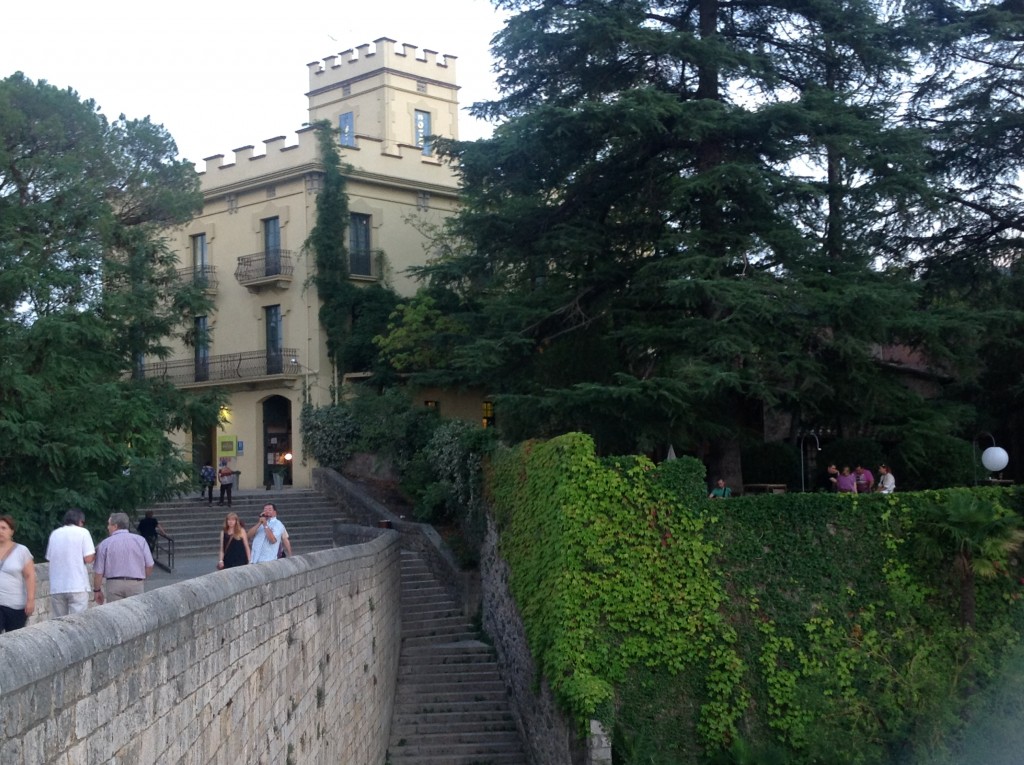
[267, 536]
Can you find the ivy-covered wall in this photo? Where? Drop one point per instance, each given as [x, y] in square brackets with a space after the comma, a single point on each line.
[797, 628]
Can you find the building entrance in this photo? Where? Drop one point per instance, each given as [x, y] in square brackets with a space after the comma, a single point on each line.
[277, 442]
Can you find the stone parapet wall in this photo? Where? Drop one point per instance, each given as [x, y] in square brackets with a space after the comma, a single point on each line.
[286, 662]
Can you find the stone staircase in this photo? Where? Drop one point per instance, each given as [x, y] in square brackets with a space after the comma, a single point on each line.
[194, 526]
[451, 707]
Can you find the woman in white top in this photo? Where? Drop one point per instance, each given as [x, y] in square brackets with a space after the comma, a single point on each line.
[887, 482]
[17, 579]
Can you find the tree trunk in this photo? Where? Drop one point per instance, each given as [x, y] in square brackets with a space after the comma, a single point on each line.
[724, 462]
[967, 593]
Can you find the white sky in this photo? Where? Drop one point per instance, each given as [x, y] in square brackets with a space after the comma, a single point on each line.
[221, 74]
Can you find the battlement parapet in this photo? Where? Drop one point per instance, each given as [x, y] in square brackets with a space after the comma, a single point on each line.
[350, 64]
[276, 158]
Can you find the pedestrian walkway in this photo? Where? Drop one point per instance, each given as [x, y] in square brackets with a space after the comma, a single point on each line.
[184, 569]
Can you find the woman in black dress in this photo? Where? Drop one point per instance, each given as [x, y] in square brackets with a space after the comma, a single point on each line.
[234, 543]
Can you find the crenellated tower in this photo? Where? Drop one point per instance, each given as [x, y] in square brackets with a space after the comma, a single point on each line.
[386, 97]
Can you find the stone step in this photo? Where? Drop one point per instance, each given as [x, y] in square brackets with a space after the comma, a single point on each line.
[419, 641]
[440, 625]
[429, 694]
[484, 751]
[483, 662]
[466, 709]
[443, 676]
[478, 719]
[457, 759]
[421, 610]
[450, 724]
[453, 652]
[427, 598]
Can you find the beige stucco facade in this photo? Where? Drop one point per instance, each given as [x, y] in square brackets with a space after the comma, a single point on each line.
[266, 346]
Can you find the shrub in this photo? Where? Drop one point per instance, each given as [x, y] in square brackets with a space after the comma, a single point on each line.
[328, 434]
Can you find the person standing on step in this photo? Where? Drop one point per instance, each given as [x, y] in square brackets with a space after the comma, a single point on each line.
[227, 481]
[269, 536]
[207, 478]
[149, 527]
[69, 551]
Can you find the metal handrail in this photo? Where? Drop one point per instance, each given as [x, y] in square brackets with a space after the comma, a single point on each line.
[245, 365]
[164, 549]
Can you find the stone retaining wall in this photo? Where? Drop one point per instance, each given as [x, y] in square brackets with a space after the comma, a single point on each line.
[549, 737]
[288, 662]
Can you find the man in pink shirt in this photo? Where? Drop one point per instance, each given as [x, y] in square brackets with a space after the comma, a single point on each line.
[123, 559]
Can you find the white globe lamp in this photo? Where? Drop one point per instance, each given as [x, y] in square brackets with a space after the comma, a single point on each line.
[995, 459]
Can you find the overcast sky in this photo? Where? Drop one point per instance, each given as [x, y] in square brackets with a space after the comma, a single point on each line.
[221, 74]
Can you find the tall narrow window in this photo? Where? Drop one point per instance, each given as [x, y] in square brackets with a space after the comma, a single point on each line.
[202, 357]
[272, 246]
[359, 257]
[275, 339]
[347, 134]
[422, 129]
[200, 263]
[488, 414]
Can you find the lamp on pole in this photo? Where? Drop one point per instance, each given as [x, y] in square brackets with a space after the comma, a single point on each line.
[994, 458]
[817, 444]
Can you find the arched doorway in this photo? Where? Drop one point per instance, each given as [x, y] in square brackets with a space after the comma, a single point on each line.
[277, 440]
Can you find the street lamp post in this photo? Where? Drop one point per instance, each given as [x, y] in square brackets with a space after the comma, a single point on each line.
[817, 443]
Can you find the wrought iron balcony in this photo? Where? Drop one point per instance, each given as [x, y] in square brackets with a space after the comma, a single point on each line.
[365, 264]
[203, 276]
[229, 368]
[272, 268]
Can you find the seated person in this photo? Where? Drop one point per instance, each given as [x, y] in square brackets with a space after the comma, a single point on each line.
[721, 491]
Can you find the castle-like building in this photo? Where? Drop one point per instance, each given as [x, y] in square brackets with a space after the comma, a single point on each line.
[264, 343]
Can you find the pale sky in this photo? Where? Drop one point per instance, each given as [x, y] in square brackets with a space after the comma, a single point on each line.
[221, 74]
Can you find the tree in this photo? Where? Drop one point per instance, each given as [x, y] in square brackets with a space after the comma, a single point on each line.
[88, 290]
[979, 534]
[970, 104]
[676, 224]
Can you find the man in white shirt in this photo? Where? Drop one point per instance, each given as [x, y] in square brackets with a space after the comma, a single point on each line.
[268, 535]
[69, 551]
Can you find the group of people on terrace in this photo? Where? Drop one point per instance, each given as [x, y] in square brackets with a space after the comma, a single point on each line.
[121, 563]
[861, 480]
[858, 481]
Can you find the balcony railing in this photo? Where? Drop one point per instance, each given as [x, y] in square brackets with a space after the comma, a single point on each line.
[365, 264]
[226, 368]
[203, 276]
[269, 267]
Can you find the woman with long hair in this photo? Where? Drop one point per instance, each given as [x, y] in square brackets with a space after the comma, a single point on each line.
[234, 543]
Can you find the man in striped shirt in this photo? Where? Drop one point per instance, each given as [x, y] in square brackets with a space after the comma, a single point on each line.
[123, 559]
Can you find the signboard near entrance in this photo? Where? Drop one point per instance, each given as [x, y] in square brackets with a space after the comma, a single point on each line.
[227, 446]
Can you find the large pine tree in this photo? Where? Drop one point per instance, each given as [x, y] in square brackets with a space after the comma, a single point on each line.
[688, 214]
